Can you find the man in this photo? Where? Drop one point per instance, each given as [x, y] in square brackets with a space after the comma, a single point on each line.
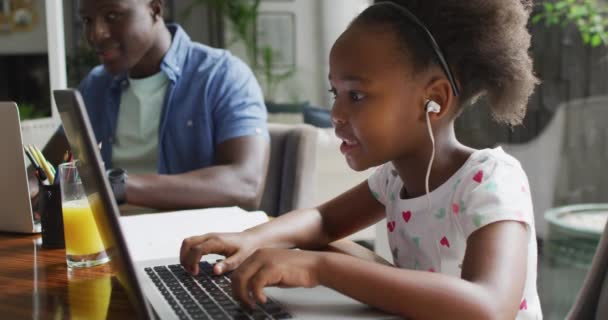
[186, 121]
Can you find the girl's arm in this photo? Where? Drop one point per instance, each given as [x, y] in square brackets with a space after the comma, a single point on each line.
[493, 278]
[315, 228]
[307, 229]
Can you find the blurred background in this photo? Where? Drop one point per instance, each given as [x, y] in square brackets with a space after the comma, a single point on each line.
[563, 143]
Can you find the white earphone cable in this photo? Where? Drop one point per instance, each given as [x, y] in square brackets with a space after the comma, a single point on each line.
[428, 170]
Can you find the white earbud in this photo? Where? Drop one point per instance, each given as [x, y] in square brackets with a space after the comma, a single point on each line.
[432, 106]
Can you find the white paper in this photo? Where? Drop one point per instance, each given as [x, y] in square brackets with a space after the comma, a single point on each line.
[160, 235]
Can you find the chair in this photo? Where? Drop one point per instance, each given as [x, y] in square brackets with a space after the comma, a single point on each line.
[291, 177]
[592, 299]
[540, 159]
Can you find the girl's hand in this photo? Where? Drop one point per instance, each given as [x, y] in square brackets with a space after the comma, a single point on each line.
[274, 267]
[236, 247]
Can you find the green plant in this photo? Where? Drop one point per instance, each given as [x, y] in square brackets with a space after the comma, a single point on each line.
[242, 15]
[587, 15]
[271, 77]
[29, 111]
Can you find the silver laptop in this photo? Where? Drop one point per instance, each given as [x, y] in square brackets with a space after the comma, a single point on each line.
[162, 288]
[16, 214]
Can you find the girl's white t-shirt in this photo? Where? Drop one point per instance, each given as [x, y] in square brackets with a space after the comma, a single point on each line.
[491, 186]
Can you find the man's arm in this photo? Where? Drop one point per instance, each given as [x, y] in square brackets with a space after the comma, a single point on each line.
[237, 178]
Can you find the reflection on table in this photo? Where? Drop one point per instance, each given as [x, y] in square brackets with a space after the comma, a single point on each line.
[35, 283]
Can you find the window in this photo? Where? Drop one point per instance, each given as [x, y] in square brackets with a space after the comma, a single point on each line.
[26, 27]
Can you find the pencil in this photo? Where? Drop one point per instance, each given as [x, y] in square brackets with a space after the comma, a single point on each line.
[33, 153]
[52, 169]
[38, 162]
[41, 176]
[44, 164]
[31, 158]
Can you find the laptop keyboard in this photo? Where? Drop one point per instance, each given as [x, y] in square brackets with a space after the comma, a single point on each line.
[206, 296]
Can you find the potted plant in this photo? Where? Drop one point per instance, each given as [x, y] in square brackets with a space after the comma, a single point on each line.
[242, 16]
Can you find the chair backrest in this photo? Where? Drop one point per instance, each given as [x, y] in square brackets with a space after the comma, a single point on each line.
[592, 299]
[291, 177]
[540, 159]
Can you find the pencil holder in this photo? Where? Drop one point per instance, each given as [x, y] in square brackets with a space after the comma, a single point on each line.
[51, 216]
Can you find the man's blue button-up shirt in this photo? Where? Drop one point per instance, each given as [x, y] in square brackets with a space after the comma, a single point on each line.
[211, 97]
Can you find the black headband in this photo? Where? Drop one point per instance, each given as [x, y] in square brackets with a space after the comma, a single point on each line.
[434, 45]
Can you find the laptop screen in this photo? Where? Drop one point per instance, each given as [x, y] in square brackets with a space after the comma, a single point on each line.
[80, 136]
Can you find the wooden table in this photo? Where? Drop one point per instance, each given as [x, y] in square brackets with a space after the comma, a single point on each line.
[35, 283]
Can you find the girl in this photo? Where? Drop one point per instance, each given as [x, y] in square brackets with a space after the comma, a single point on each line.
[459, 220]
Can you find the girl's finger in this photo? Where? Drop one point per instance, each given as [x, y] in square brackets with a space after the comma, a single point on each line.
[240, 280]
[229, 264]
[193, 253]
[187, 244]
[257, 284]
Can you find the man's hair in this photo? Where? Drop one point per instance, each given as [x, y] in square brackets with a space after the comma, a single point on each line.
[485, 43]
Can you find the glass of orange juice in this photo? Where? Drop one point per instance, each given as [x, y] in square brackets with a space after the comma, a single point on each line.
[83, 244]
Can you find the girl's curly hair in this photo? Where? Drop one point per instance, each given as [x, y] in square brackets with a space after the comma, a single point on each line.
[485, 43]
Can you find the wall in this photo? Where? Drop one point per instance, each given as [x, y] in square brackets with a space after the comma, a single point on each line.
[318, 24]
[197, 24]
[335, 15]
[301, 87]
[33, 41]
